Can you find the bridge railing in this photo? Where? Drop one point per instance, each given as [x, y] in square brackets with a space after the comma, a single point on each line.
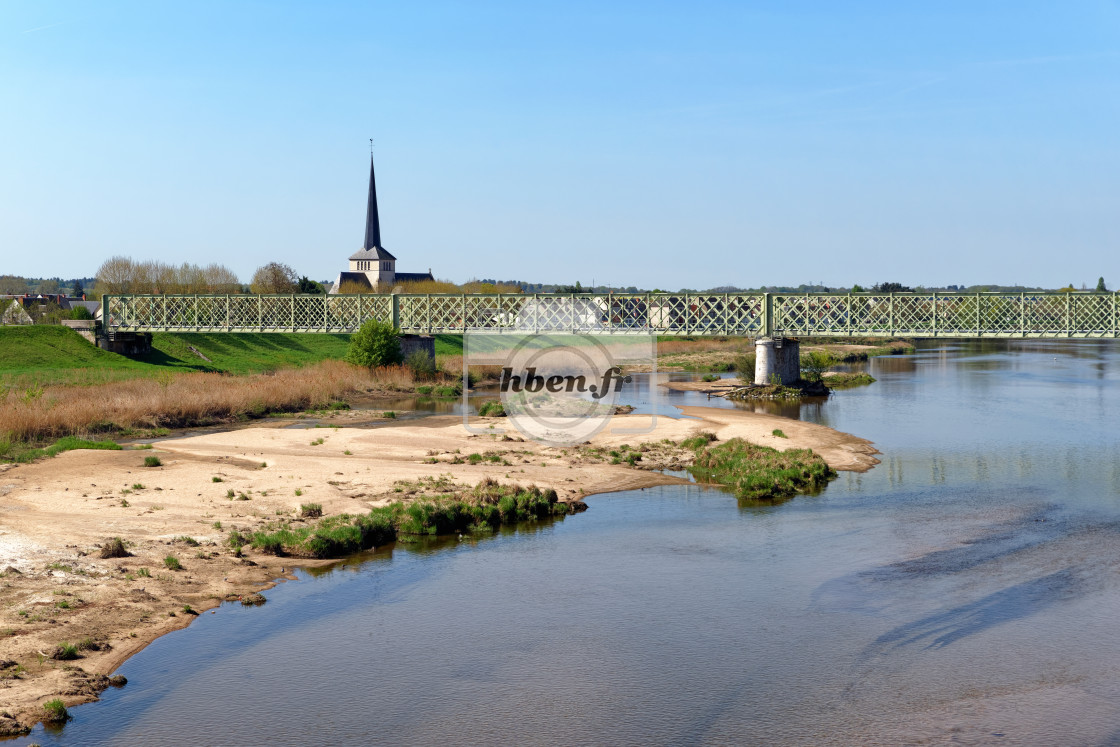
[931, 314]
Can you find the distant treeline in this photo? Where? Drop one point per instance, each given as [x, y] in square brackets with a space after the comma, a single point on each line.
[15, 285]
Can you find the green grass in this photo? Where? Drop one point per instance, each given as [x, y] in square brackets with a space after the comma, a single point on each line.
[449, 344]
[484, 508]
[759, 475]
[172, 563]
[18, 452]
[845, 380]
[55, 711]
[779, 433]
[152, 461]
[48, 354]
[243, 353]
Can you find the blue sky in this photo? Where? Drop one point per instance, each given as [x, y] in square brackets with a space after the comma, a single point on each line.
[652, 144]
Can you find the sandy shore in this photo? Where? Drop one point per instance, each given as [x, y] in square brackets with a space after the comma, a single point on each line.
[55, 514]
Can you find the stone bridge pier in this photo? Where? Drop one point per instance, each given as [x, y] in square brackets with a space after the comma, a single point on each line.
[781, 356]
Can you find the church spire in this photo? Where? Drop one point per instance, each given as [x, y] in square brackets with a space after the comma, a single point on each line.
[373, 225]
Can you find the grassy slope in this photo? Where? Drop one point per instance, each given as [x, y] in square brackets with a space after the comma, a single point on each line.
[52, 351]
[54, 355]
[243, 353]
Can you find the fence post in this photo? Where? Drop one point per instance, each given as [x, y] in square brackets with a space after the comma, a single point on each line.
[767, 315]
[978, 314]
[1068, 303]
[1023, 314]
[260, 315]
[361, 308]
[892, 313]
[935, 313]
[227, 312]
[395, 311]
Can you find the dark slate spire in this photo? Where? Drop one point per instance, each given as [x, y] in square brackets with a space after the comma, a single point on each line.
[373, 225]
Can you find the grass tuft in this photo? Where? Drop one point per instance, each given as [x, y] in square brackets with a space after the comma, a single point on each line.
[152, 461]
[172, 563]
[114, 548]
[55, 712]
[760, 475]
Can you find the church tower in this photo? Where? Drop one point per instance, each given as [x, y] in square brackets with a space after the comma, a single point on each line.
[379, 266]
[373, 267]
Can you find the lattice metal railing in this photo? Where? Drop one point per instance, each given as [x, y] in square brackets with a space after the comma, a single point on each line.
[931, 314]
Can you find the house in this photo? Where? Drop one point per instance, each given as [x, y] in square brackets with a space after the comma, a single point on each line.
[373, 268]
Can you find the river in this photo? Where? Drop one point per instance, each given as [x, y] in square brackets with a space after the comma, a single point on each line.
[966, 589]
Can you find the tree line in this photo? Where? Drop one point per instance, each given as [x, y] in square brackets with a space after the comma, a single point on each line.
[125, 275]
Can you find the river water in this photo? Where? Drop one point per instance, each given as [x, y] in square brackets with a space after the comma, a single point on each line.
[967, 590]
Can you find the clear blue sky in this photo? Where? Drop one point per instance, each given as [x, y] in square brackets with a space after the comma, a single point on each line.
[655, 144]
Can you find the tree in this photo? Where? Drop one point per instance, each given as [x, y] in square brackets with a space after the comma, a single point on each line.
[892, 288]
[49, 286]
[79, 291]
[307, 285]
[1100, 286]
[857, 288]
[375, 344]
[12, 285]
[274, 278]
[116, 275]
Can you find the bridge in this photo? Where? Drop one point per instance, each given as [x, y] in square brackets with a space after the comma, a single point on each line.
[756, 315]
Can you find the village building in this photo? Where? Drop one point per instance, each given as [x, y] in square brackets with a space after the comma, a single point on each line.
[373, 269]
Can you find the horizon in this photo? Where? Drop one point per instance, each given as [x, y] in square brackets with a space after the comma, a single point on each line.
[941, 146]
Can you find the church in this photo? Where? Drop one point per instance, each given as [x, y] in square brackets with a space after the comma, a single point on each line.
[373, 268]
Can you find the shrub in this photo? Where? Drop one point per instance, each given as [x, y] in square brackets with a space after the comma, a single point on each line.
[310, 510]
[152, 461]
[492, 409]
[172, 563]
[144, 573]
[744, 364]
[114, 548]
[709, 378]
[375, 344]
[421, 364]
[814, 364]
[65, 652]
[778, 432]
[55, 711]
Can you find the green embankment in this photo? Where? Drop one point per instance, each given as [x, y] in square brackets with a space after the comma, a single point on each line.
[50, 354]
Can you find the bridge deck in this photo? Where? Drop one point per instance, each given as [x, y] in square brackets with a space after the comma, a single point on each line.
[955, 315]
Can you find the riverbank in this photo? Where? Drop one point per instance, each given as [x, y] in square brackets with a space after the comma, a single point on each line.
[176, 519]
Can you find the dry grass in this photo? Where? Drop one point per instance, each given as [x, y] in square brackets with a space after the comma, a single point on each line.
[702, 345]
[186, 399]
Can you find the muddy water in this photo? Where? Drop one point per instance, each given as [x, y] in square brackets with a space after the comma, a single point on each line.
[967, 590]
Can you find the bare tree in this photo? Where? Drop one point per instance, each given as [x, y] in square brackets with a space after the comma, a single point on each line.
[274, 278]
[11, 285]
[116, 275]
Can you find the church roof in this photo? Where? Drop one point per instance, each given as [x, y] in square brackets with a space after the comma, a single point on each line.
[412, 277]
[353, 277]
[376, 252]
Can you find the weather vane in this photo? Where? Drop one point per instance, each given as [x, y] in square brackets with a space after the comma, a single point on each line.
[371, 146]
